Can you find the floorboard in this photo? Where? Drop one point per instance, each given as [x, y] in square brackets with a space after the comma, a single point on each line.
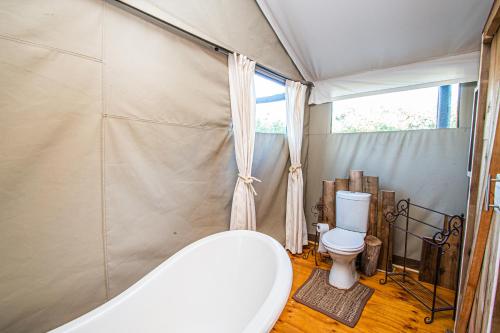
[390, 309]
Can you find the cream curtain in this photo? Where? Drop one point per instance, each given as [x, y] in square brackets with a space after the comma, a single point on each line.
[242, 94]
[296, 228]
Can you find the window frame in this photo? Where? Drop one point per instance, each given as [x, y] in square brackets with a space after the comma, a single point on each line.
[457, 109]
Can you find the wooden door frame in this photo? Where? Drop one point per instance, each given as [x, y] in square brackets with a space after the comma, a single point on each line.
[472, 262]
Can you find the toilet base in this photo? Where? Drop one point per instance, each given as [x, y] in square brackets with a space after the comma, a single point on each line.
[343, 274]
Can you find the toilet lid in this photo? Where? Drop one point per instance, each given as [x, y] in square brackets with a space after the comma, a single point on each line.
[344, 240]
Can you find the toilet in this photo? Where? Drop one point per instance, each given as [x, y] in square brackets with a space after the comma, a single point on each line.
[347, 239]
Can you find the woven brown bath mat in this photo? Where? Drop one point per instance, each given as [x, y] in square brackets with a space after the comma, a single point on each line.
[345, 306]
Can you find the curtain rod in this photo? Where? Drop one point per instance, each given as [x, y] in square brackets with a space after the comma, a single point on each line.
[162, 23]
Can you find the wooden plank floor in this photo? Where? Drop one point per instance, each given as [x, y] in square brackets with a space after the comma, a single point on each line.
[390, 309]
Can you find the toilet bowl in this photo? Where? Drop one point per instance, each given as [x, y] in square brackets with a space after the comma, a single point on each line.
[346, 241]
[343, 246]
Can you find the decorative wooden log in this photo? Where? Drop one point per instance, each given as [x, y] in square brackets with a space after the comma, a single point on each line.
[387, 203]
[449, 260]
[329, 202]
[341, 184]
[369, 258]
[356, 181]
[428, 259]
[370, 185]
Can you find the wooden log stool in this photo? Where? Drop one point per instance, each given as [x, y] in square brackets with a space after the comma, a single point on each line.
[369, 258]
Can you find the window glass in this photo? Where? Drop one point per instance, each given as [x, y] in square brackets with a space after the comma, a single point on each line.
[270, 110]
[397, 111]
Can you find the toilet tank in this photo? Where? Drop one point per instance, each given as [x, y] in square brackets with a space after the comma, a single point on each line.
[352, 209]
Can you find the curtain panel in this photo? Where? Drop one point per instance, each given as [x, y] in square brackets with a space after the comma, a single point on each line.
[296, 227]
[242, 95]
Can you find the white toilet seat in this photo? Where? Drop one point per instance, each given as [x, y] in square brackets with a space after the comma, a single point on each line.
[343, 246]
[343, 241]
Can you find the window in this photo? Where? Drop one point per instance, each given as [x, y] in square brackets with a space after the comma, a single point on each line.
[425, 108]
[270, 110]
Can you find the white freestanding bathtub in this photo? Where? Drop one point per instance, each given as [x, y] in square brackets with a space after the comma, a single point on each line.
[233, 281]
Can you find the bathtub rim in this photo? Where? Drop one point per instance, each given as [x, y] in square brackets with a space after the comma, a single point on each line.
[262, 321]
[270, 310]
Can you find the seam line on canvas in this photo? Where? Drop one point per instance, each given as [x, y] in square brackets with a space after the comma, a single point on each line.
[163, 122]
[103, 161]
[48, 47]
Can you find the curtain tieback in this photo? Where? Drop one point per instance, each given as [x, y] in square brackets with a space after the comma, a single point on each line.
[294, 167]
[249, 181]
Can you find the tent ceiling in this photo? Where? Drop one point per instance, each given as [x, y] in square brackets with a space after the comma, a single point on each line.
[334, 38]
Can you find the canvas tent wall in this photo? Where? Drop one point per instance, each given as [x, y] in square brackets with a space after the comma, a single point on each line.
[116, 147]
